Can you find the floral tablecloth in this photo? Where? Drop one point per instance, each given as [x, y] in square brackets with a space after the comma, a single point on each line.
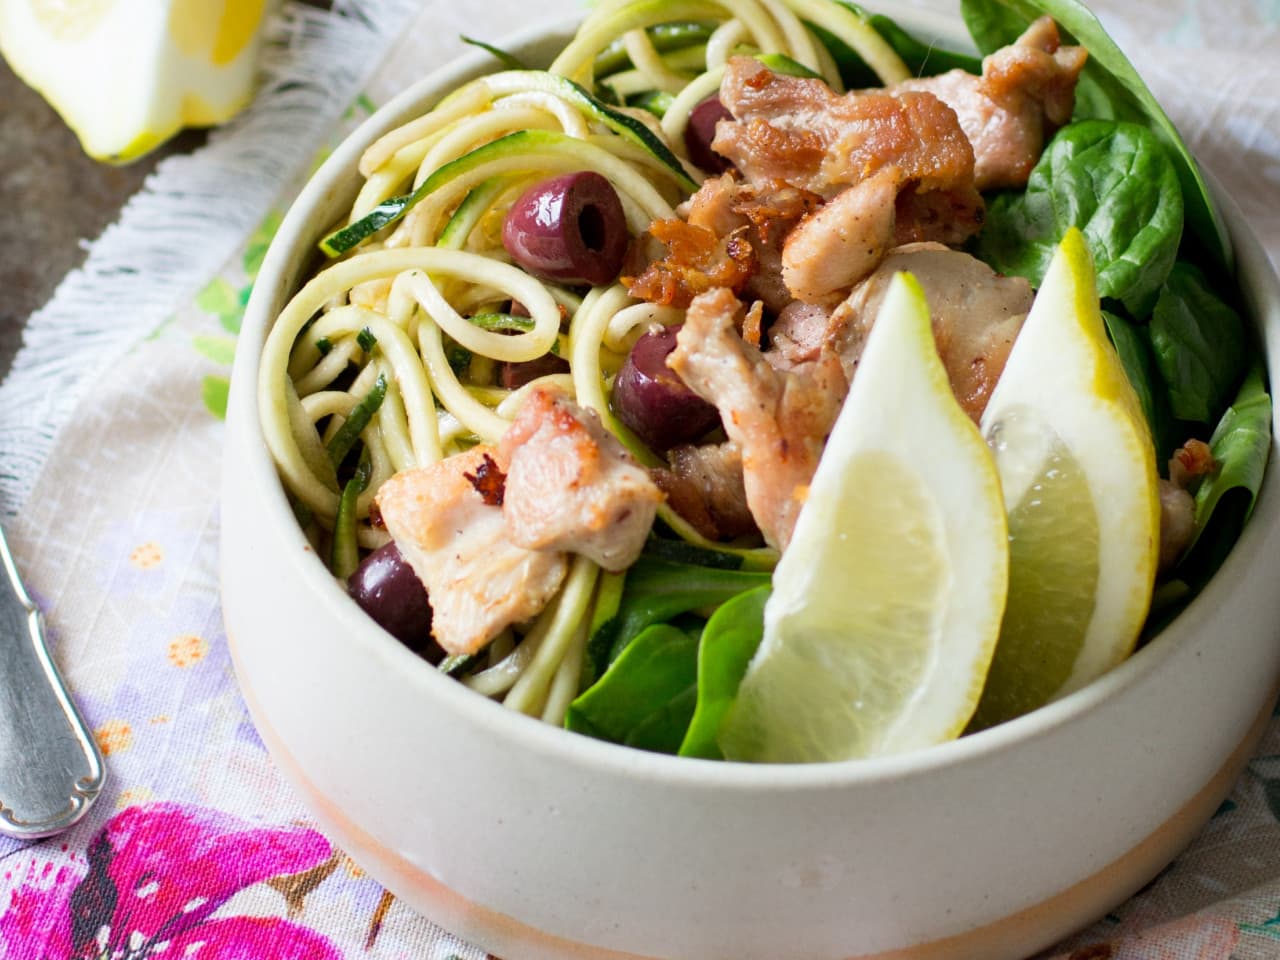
[110, 430]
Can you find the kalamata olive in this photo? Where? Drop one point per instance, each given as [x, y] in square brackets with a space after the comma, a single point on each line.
[514, 375]
[389, 591]
[701, 130]
[653, 402]
[570, 228]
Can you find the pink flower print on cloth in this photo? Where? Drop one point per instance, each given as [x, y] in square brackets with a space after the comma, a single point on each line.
[155, 876]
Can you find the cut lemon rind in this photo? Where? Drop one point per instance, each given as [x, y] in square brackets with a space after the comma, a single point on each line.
[888, 600]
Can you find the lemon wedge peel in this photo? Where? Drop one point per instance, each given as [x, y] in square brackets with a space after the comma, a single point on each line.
[1064, 406]
[887, 603]
[125, 78]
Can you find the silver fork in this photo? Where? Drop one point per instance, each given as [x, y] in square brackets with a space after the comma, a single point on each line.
[50, 767]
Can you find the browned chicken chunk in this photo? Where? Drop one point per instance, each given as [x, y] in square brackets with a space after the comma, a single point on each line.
[705, 486]
[478, 581]
[779, 420]
[976, 315]
[572, 486]
[891, 167]
[1026, 91]
[799, 131]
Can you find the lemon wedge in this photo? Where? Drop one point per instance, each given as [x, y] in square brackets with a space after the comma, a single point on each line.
[127, 74]
[1078, 471]
[887, 602]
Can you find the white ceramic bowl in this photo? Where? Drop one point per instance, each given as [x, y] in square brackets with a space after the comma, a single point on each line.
[537, 843]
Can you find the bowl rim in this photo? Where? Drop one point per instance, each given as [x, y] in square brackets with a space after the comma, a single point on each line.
[337, 177]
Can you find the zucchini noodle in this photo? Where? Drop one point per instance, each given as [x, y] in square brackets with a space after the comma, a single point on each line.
[403, 336]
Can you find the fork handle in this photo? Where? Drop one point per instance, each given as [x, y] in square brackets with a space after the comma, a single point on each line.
[50, 767]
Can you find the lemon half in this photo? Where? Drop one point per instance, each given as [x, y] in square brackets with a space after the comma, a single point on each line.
[1078, 470]
[887, 602]
[127, 74]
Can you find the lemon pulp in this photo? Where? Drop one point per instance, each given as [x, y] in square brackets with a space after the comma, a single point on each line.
[70, 20]
[1078, 472]
[1053, 577]
[855, 652]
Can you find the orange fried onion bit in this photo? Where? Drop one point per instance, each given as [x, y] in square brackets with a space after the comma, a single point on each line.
[694, 260]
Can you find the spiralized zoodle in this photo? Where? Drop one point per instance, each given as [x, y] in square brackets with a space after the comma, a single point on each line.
[398, 324]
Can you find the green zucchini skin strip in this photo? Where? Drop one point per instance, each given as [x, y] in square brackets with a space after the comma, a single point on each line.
[470, 210]
[342, 441]
[388, 211]
[665, 37]
[781, 63]
[457, 664]
[508, 60]
[501, 321]
[627, 127]
[345, 556]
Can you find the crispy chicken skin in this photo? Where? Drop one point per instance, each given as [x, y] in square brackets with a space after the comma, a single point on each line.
[1026, 91]
[800, 132]
[778, 419]
[478, 581]
[572, 486]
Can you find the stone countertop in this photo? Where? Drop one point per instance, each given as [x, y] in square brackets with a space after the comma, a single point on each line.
[53, 200]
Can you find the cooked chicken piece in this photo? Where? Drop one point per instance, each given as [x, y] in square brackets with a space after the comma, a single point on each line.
[779, 420]
[1189, 464]
[477, 580]
[772, 209]
[841, 243]
[797, 130]
[798, 334]
[1026, 91]
[732, 238]
[704, 485]
[713, 206]
[1177, 523]
[976, 316]
[572, 486]
[891, 168]
[943, 216]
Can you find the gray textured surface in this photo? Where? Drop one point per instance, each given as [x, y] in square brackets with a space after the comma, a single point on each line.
[53, 198]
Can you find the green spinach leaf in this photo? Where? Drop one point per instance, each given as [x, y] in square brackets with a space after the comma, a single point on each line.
[1109, 88]
[1115, 182]
[729, 641]
[922, 59]
[1241, 444]
[655, 591]
[646, 697]
[1133, 344]
[1199, 345]
[992, 24]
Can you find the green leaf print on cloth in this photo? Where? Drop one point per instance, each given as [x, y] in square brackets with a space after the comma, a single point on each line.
[225, 300]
